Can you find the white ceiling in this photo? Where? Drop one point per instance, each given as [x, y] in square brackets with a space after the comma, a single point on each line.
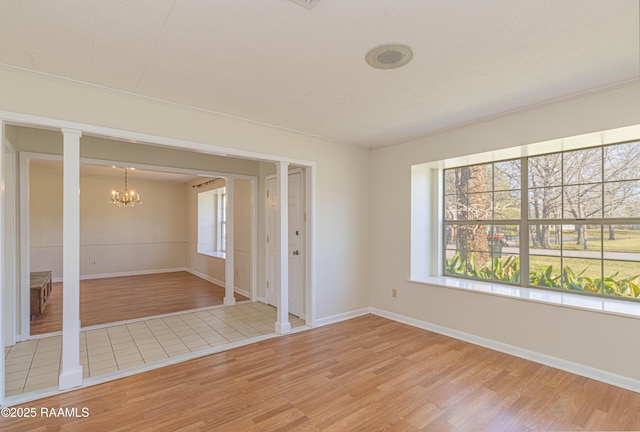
[275, 62]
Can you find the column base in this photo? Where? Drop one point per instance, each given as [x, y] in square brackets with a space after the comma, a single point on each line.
[229, 301]
[70, 379]
[283, 327]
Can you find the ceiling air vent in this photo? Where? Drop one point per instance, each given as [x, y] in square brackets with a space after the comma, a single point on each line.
[389, 56]
[309, 4]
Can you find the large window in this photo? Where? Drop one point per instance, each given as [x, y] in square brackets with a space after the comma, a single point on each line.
[567, 221]
[212, 222]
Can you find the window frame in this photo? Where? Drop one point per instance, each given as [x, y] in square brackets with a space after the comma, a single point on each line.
[211, 240]
[526, 221]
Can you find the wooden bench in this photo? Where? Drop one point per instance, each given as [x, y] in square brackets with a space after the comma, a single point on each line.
[40, 291]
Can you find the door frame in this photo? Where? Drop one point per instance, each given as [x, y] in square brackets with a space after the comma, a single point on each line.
[307, 304]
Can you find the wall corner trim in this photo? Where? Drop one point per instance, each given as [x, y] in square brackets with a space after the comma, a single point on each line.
[547, 360]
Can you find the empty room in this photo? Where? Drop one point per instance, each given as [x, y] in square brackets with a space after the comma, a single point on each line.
[320, 215]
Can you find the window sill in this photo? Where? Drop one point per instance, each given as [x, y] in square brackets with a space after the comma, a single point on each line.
[566, 299]
[215, 254]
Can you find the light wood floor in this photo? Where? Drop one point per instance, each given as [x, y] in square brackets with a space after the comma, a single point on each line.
[364, 374]
[122, 298]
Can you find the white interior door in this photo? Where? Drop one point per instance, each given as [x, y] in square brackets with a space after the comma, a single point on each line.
[296, 251]
[296, 243]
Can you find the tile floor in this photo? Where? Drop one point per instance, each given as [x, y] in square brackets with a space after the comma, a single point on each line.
[35, 364]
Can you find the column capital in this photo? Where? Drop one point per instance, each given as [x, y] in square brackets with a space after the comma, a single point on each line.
[282, 165]
[67, 131]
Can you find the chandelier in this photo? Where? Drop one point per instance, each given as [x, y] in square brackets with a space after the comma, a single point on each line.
[127, 198]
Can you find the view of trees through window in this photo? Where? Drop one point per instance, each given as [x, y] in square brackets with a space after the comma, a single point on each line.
[570, 220]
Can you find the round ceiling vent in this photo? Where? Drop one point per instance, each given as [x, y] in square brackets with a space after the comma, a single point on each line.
[389, 56]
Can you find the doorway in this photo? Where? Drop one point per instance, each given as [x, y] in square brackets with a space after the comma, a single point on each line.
[296, 250]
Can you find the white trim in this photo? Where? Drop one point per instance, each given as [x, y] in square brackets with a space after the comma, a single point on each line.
[70, 367]
[213, 254]
[28, 120]
[217, 282]
[9, 325]
[204, 276]
[555, 362]
[606, 305]
[341, 317]
[229, 262]
[253, 253]
[129, 273]
[283, 325]
[310, 239]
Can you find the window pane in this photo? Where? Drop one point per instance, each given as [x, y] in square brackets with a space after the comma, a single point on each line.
[622, 199]
[582, 241]
[545, 171]
[467, 249]
[504, 245]
[620, 162]
[545, 236]
[481, 178]
[545, 203]
[476, 206]
[507, 175]
[622, 260]
[582, 275]
[622, 239]
[582, 166]
[506, 205]
[544, 270]
[583, 201]
[622, 278]
[450, 207]
[544, 255]
[450, 182]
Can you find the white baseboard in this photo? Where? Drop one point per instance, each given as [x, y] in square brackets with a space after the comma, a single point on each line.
[216, 281]
[204, 276]
[131, 273]
[555, 362]
[341, 317]
[155, 271]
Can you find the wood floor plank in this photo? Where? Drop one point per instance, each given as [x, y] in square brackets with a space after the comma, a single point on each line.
[128, 297]
[346, 377]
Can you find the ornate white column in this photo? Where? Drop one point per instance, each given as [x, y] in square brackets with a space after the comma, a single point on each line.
[229, 267]
[71, 371]
[283, 325]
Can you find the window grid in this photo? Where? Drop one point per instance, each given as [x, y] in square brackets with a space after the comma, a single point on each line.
[590, 223]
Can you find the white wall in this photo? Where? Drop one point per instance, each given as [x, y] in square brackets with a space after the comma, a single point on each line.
[342, 171]
[113, 240]
[592, 339]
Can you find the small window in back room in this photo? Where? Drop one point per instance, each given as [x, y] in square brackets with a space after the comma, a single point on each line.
[211, 221]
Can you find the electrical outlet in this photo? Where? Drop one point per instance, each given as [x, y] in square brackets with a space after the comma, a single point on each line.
[394, 292]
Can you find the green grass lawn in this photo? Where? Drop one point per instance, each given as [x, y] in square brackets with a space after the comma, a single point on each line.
[625, 269]
[626, 241]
